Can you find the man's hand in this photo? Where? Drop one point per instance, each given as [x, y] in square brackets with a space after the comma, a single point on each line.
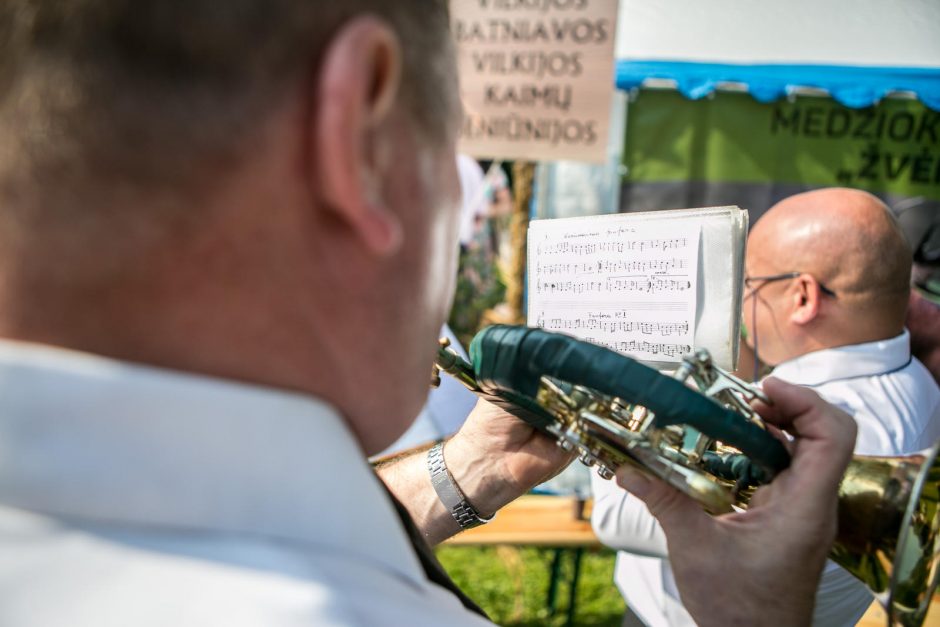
[761, 567]
[496, 457]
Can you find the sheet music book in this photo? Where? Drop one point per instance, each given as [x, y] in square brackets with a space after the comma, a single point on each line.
[654, 286]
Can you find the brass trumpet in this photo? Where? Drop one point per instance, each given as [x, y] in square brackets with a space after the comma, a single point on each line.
[697, 431]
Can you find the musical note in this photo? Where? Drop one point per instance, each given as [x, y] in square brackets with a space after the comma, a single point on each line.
[630, 287]
[662, 329]
[638, 283]
[634, 347]
[606, 246]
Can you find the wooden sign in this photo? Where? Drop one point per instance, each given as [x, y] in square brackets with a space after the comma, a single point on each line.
[536, 77]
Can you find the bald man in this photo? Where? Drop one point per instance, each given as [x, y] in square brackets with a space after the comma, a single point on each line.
[827, 287]
[826, 268]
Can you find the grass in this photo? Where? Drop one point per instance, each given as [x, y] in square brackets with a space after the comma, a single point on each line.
[511, 584]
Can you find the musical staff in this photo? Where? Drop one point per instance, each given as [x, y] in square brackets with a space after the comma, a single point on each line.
[651, 284]
[616, 266]
[630, 287]
[547, 249]
[662, 329]
[662, 349]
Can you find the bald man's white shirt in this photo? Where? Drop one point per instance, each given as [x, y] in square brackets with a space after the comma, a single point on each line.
[136, 496]
[896, 404]
[891, 395]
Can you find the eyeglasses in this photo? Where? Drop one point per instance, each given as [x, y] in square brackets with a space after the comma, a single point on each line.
[753, 284]
[770, 278]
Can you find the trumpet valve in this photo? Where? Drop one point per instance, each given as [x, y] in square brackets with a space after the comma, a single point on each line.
[587, 459]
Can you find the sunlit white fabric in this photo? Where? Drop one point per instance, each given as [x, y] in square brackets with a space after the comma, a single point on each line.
[136, 496]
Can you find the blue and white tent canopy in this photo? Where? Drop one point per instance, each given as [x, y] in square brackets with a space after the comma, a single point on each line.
[859, 51]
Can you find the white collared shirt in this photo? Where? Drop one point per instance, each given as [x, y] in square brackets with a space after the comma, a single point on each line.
[896, 404]
[891, 395]
[137, 496]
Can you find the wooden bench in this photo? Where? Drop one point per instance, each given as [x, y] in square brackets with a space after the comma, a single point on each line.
[536, 520]
[562, 523]
[876, 617]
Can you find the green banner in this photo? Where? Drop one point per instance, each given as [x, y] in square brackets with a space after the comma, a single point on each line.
[892, 148]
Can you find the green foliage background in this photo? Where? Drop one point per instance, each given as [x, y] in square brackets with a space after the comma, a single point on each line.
[511, 584]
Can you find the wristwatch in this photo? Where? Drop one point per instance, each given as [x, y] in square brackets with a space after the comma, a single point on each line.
[450, 495]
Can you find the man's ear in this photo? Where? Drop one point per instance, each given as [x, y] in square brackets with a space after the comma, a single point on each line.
[355, 91]
[804, 299]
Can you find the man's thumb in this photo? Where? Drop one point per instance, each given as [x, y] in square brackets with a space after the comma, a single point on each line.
[666, 503]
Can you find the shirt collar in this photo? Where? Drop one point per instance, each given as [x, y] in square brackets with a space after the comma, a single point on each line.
[103, 441]
[845, 362]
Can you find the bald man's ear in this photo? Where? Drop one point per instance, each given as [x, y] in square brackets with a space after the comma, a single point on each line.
[804, 297]
[355, 92]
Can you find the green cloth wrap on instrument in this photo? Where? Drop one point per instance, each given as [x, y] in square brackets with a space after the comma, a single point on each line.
[510, 360]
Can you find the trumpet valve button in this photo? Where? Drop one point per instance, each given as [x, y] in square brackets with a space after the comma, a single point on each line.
[565, 445]
[604, 472]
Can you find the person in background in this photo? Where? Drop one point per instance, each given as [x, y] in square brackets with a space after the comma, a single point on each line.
[228, 234]
[473, 193]
[826, 289]
[479, 277]
[923, 323]
[920, 221]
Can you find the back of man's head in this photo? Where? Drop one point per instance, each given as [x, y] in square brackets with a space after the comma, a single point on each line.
[226, 186]
[107, 102]
[849, 241]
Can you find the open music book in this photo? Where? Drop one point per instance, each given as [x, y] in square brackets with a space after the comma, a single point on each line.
[654, 286]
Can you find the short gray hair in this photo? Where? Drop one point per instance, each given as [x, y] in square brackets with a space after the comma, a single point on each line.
[150, 93]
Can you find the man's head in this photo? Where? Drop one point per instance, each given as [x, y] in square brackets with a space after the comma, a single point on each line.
[825, 268]
[258, 189]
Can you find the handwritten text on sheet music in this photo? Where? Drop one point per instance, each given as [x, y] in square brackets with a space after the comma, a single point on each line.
[631, 288]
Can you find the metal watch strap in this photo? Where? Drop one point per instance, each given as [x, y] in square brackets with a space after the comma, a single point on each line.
[448, 492]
